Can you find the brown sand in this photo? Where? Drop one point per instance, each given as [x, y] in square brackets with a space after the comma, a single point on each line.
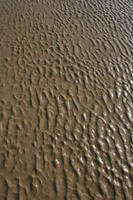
[66, 99]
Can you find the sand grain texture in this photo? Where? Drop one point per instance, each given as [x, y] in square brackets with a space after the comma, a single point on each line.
[66, 99]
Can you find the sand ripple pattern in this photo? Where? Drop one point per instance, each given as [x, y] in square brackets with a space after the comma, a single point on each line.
[66, 99]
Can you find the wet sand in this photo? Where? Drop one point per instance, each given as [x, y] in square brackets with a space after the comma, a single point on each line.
[66, 99]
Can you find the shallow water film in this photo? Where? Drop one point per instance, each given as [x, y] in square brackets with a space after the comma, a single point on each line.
[66, 99]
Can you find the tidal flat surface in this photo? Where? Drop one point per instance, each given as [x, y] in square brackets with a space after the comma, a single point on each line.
[66, 100]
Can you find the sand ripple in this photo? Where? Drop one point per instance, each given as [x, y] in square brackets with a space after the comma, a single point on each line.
[66, 100]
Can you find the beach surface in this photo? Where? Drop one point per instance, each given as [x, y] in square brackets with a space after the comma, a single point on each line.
[66, 100]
